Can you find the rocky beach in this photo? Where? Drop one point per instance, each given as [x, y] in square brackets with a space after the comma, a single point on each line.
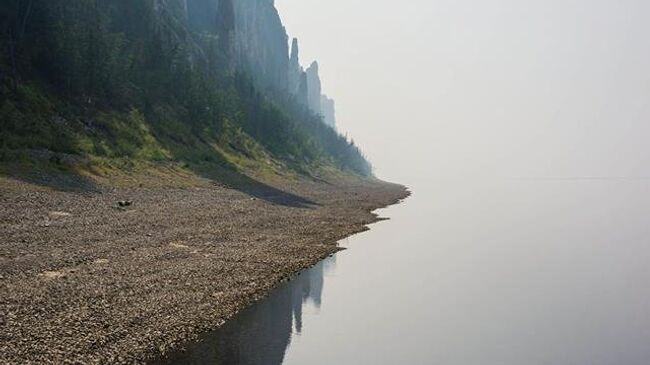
[123, 275]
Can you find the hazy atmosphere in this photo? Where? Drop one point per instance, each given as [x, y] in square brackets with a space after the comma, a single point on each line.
[554, 89]
[362, 182]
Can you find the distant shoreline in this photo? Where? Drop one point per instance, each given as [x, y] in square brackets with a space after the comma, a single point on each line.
[87, 280]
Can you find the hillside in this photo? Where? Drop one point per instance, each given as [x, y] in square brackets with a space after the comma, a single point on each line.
[163, 165]
[203, 85]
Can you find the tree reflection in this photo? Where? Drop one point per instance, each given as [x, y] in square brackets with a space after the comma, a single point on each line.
[261, 334]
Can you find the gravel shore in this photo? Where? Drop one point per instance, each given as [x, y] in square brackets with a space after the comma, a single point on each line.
[122, 275]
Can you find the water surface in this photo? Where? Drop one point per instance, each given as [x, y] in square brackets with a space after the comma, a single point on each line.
[490, 272]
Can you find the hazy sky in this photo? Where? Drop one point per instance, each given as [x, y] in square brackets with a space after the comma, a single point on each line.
[504, 88]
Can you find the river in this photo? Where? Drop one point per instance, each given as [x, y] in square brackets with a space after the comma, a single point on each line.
[480, 272]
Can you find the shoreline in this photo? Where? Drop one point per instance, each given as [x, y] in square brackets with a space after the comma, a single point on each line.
[84, 280]
[194, 351]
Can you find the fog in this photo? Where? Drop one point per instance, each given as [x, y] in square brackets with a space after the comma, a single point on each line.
[499, 88]
[521, 127]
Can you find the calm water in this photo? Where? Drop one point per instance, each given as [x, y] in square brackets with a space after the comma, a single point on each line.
[506, 272]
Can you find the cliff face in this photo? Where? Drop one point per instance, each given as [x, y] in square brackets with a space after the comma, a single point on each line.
[163, 75]
[202, 15]
[328, 111]
[252, 34]
[261, 43]
[313, 88]
[297, 76]
[319, 103]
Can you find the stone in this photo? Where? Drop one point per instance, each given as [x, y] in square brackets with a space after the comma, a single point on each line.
[328, 111]
[314, 88]
[56, 215]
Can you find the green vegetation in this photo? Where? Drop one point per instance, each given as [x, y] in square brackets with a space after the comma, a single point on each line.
[120, 79]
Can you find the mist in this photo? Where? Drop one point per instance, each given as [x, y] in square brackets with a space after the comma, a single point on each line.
[499, 89]
[174, 171]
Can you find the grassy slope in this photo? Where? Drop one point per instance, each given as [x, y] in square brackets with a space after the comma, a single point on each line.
[42, 137]
[115, 88]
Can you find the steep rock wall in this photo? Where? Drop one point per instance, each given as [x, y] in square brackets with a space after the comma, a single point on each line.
[328, 111]
[251, 34]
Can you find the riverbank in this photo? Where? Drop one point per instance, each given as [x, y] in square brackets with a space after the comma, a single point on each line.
[120, 275]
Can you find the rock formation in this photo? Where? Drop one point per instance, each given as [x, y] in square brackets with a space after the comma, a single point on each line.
[262, 44]
[295, 69]
[328, 111]
[313, 88]
[202, 15]
[251, 35]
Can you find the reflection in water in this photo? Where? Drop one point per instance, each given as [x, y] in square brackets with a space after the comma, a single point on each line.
[261, 333]
[493, 272]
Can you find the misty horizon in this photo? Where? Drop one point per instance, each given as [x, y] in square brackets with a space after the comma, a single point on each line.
[363, 182]
[473, 88]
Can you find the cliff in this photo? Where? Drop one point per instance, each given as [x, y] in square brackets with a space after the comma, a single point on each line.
[313, 88]
[147, 79]
[328, 111]
[262, 44]
[252, 30]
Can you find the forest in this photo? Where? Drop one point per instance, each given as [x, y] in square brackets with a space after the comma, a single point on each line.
[132, 79]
